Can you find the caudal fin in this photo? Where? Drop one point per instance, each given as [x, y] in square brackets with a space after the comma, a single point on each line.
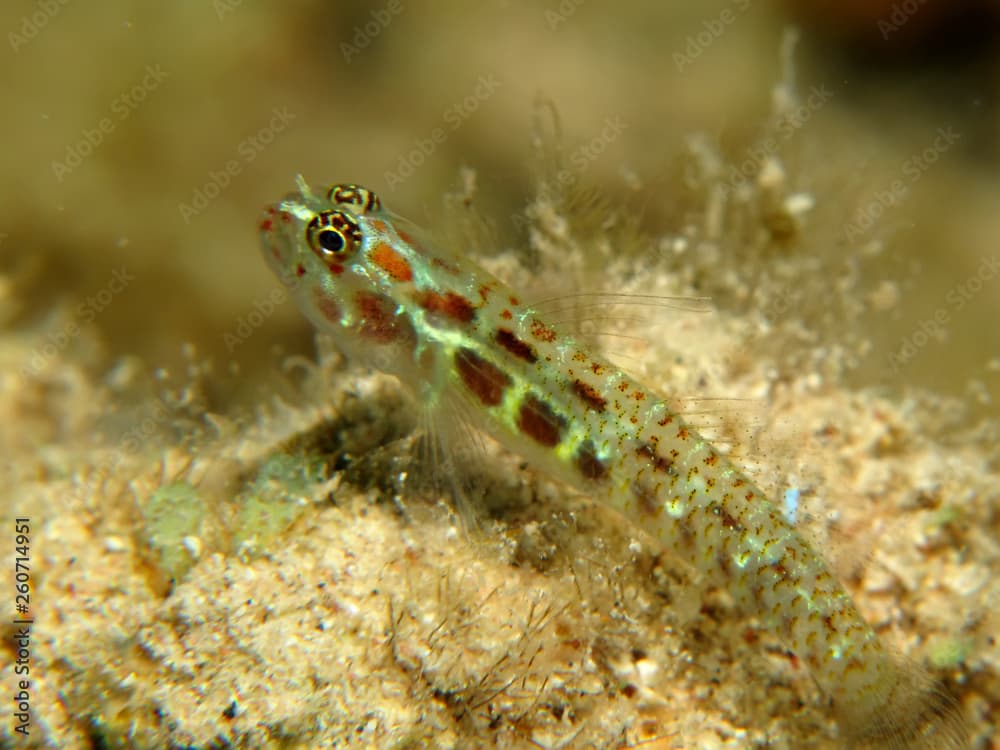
[913, 712]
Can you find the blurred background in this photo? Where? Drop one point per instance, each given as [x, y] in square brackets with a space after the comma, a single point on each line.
[142, 139]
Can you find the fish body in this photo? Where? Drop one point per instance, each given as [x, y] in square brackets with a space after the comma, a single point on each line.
[450, 330]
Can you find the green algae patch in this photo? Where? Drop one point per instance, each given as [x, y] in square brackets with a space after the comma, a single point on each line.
[948, 652]
[174, 519]
[276, 497]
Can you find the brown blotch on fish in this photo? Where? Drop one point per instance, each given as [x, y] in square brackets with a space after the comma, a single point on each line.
[724, 563]
[379, 321]
[729, 521]
[590, 396]
[687, 532]
[450, 305]
[537, 420]
[659, 463]
[588, 463]
[647, 499]
[487, 381]
[506, 338]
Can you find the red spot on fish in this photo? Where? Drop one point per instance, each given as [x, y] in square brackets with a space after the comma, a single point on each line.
[327, 306]
[266, 225]
[300, 270]
[487, 381]
[515, 346]
[378, 225]
[449, 304]
[506, 315]
[379, 321]
[537, 420]
[391, 262]
[514, 300]
[336, 269]
[286, 217]
[589, 395]
[542, 332]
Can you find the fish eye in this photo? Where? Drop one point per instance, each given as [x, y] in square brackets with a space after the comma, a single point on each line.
[358, 199]
[333, 235]
[331, 240]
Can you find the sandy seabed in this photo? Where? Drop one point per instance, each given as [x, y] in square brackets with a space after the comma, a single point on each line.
[231, 545]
